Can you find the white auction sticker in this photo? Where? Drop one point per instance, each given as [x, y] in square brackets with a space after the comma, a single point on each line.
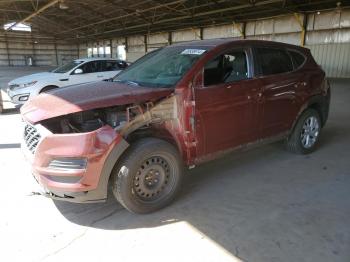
[192, 52]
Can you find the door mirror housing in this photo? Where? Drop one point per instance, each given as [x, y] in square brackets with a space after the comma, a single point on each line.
[78, 71]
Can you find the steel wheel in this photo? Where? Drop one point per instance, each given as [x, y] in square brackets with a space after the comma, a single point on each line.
[149, 176]
[152, 179]
[310, 132]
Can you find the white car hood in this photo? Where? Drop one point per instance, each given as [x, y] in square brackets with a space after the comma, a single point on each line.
[36, 77]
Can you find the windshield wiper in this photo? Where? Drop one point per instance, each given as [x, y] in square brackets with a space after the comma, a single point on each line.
[128, 82]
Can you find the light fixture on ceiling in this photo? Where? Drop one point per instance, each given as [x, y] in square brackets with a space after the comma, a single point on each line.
[338, 8]
[63, 5]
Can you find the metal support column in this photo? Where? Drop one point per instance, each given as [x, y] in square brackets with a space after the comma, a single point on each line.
[7, 50]
[302, 21]
[145, 42]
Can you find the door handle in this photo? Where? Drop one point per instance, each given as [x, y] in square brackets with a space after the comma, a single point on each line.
[259, 94]
[99, 76]
[228, 87]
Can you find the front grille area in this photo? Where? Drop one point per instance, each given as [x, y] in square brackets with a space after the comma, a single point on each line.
[31, 137]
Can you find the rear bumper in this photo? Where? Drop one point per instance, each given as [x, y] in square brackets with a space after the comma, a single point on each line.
[100, 150]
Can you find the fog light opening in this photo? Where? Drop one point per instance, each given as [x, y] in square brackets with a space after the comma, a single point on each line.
[68, 163]
[23, 98]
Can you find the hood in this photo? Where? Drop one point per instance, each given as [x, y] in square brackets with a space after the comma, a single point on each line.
[34, 77]
[84, 97]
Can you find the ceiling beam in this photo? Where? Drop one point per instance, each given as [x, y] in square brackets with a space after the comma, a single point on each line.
[40, 10]
[127, 15]
[205, 13]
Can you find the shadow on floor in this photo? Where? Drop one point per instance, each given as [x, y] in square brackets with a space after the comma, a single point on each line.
[12, 111]
[261, 205]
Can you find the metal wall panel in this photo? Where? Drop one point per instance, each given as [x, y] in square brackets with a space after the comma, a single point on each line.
[155, 41]
[222, 31]
[334, 58]
[264, 27]
[185, 35]
[328, 36]
[161, 38]
[135, 47]
[287, 24]
[20, 46]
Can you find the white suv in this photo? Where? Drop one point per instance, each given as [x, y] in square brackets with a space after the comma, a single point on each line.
[76, 72]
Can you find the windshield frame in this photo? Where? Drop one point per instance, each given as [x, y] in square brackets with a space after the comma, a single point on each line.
[76, 62]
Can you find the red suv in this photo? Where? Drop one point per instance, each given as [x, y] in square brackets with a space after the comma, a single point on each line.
[177, 106]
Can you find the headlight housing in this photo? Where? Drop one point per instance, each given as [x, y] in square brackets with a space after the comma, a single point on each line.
[20, 86]
[28, 84]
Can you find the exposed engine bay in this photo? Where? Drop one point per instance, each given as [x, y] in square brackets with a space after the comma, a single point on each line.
[124, 118]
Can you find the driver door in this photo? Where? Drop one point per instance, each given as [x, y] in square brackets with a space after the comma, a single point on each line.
[226, 103]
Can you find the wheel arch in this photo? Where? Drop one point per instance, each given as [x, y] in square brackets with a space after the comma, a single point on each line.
[159, 133]
[318, 102]
[120, 149]
[47, 88]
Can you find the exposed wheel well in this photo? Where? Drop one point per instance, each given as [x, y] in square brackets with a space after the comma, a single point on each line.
[318, 107]
[139, 134]
[149, 132]
[48, 88]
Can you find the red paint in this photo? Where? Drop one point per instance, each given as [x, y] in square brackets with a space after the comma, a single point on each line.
[95, 146]
[211, 120]
[84, 97]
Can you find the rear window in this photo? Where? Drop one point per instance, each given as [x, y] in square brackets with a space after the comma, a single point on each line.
[298, 59]
[274, 61]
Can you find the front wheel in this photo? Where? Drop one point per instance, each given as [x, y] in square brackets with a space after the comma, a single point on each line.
[148, 177]
[306, 133]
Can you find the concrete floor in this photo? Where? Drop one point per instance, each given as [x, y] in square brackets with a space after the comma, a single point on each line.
[262, 205]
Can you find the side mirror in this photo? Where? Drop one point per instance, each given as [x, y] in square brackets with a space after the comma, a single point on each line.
[78, 71]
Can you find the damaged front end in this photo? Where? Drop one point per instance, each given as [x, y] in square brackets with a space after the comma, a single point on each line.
[123, 119]
[75, 153]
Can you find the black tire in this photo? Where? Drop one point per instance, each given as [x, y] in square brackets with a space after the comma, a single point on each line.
[48, 88]
[295, 142]
[148, 177]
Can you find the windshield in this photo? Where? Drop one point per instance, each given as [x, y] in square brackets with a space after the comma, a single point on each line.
[163, 68]
[66, 67]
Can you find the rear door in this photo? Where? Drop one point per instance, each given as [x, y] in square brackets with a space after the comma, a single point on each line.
[278, 98]
[226, 106]
[90, 73]
[109, 69]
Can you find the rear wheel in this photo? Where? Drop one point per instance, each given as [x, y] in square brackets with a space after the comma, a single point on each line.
[148, 177]
[305, 135]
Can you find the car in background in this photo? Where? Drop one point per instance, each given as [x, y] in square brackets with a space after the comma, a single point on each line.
[78, 71]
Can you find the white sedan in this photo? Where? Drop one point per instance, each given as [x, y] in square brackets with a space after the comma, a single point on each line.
[76, 72]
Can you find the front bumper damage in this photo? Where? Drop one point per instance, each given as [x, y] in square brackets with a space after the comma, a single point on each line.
[80, 184]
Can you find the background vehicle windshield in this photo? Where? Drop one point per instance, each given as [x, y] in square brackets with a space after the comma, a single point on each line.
[162, 68]
[66, 67]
